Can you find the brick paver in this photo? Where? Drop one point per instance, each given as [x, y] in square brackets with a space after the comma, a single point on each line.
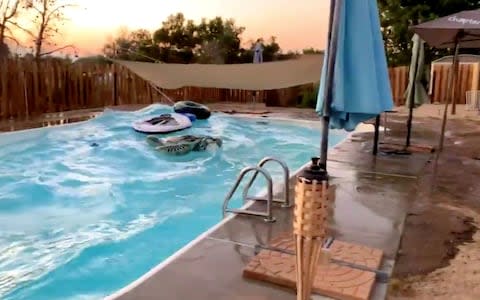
[331, 280]
[353, 253]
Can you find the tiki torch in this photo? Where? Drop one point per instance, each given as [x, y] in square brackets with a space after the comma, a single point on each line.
[310, 224]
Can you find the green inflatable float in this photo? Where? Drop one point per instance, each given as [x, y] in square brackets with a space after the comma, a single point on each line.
[184, 144]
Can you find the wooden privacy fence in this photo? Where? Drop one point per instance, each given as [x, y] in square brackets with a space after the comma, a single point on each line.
[399, 83]
[467, 79]
[29, 89]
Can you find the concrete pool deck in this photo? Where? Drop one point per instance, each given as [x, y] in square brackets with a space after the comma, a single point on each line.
[372, 199]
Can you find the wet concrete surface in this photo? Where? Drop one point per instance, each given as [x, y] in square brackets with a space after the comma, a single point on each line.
[211, 270]
[356, 201]
[432, 231]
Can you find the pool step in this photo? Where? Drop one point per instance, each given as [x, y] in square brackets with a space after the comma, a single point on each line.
[277, 200]
[267, 214]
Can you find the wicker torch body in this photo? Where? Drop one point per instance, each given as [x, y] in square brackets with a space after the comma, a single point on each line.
[310, 226]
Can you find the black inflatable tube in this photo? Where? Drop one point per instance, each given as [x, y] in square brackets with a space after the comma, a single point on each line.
[199, 110]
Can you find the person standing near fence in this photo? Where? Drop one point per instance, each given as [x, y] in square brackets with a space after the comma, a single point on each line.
[258, 52]
[257, 59]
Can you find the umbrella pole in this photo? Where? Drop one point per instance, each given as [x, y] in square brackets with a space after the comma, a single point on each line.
[332, 53]
[377, 133]
[411, 104]
[451, 81]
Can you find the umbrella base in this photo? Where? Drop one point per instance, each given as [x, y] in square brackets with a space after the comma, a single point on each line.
[391, 148]
[395, 152]
[331, 279]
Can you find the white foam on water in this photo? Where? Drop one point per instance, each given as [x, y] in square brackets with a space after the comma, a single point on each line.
[34, 255]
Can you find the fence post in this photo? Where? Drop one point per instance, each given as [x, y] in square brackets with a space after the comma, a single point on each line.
[115, 86]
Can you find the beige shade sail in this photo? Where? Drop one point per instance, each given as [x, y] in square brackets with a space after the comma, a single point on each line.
[265, 76]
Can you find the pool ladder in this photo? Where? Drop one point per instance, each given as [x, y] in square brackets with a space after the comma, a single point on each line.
[267, 214]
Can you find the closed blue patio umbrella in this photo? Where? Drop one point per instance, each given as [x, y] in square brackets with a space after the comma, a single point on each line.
[355, 84]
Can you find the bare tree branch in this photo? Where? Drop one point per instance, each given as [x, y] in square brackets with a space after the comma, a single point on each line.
[23, 28]
[8, 30]
[9, 9]
[36, 9]
[49, 17]
[13, 39]
[58, 9]
[58, 49]
[13, 10]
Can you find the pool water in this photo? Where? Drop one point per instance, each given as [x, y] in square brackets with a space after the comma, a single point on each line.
[80, 221]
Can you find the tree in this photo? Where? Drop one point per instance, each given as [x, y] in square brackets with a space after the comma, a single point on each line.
[211, 53]
[223, 36]
[312, 50]
[49, 15]
[137, 45]
[396, 17]
[118, 47]
[271, 49]
[143, 47]
[95, 59]
[177, 33]
[4, 50]
[180, 40]
[177, 39]
[9, 10]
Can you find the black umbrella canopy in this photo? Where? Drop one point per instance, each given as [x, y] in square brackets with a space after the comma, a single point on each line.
[462, 27]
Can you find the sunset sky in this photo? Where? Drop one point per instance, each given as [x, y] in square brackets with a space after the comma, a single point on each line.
[296, 26]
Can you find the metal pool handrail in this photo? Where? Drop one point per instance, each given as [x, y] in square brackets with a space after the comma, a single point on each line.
[286, 174]
[268, 213]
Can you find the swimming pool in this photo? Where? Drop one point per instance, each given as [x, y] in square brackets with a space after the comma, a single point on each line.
[80, 222]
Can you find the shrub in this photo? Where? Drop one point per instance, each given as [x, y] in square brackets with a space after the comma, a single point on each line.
[309, 96]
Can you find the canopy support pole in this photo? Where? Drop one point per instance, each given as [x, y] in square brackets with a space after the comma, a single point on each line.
[452, 78]
[332, 53]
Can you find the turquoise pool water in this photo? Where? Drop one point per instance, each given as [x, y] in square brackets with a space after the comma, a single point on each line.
[80, 222]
